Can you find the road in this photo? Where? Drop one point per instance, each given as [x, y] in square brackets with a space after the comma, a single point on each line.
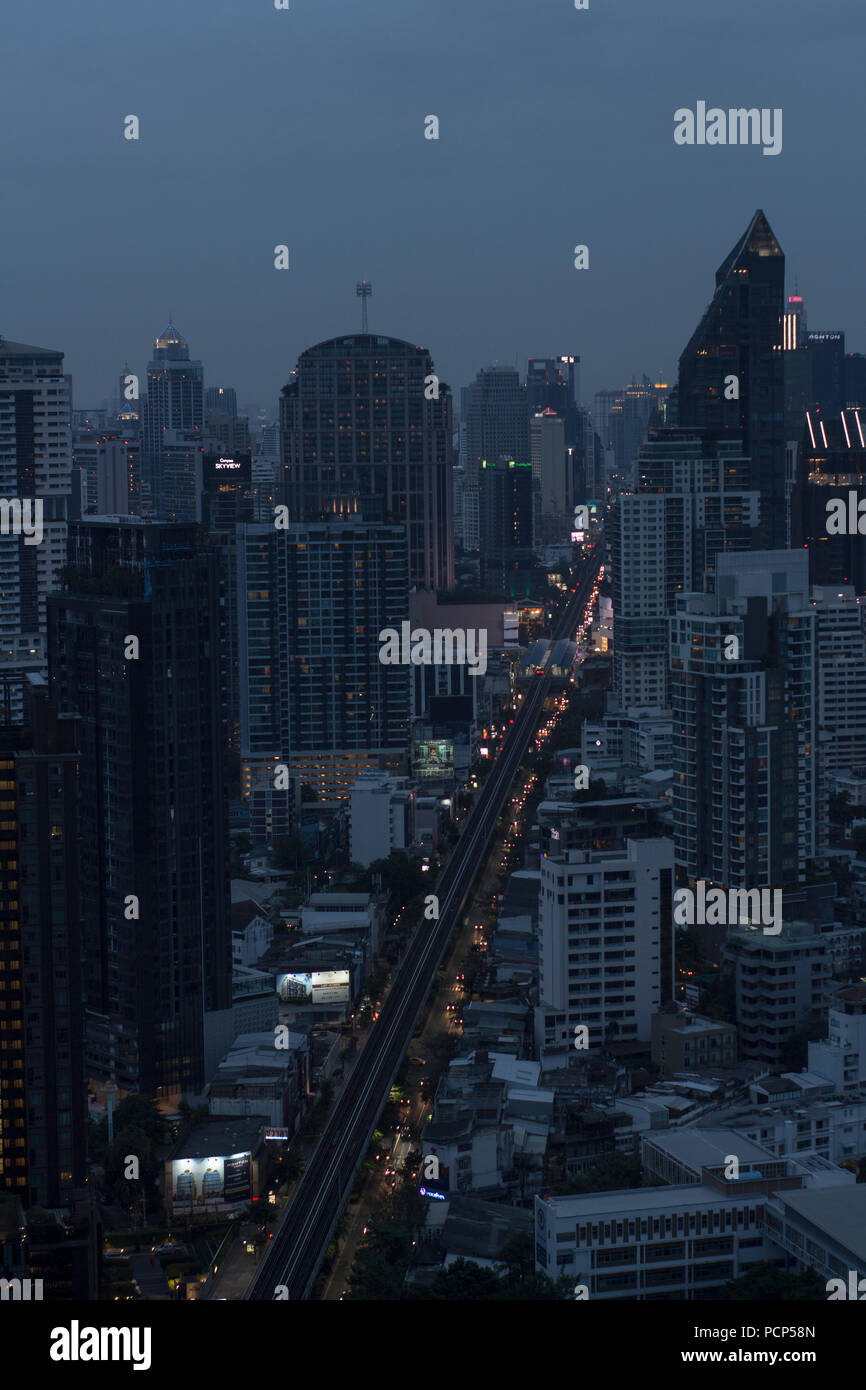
[295, 1254]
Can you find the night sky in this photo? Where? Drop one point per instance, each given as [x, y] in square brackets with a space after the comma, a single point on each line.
[306, 127]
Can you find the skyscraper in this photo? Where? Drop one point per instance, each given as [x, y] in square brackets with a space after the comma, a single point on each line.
[622, 418]
[505, 507]
[797, 367]
[841, 627]
[312, 600]
[136, 649]
[731, 374]
[497, 427]
[550, 475]
[43, 1113]
[831, 463]
[743, 676]
[827, 352]
[366, 434]
[689, 505]
[175, 387]
[35, 468]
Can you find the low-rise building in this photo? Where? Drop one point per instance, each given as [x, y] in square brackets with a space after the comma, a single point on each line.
[681, 1042]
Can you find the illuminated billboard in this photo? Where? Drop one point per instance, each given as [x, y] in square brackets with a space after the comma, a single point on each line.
[315, 987]
[205, 1183]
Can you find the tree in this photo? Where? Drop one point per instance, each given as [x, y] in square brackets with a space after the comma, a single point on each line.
[766, 1282]
[287, 852]
[140, 1112]
[241, 845]
[719, 998]
[840, 810]
[794, 1053]
[614, 1172]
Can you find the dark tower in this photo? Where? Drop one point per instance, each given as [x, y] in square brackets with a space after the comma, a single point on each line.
[365, 429]
[740, 336]
[152, 808]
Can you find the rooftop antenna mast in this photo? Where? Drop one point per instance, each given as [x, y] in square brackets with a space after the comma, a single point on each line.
[363, 290]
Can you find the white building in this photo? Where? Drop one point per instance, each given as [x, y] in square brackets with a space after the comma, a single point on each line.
[841, 676]
[381, 817]
[355, 915]
[600, 955]
[841, 1057]
[651, 1242]
[687, 1241]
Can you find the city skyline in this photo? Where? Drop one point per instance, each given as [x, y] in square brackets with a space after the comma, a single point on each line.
[438, 227]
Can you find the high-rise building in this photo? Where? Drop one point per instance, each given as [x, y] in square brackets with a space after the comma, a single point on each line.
[221, 400]
[841, 627]
[136, 650]
[366, 435]
[831, 464]
[312, 600]
[604, 944]
[35, 469]
[43, 1108]
[690, 503]
[497, 427]
[505, 509]
[855, 380]
[746, 803]
[779, 981]
[797, 367]
[622, 418]
[174, 401]
[731, 374]
[553, 383]
[827, 351]
[550, 475]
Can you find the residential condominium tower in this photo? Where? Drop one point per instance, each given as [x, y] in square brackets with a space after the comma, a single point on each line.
[604, 944]
[312, 600]
[743, 695]
[689, 504]
[365, 428]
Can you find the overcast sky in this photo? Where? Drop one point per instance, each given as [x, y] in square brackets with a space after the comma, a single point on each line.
[306, 127]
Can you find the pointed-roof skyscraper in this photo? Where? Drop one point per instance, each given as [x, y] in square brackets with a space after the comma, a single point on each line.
[731, 376]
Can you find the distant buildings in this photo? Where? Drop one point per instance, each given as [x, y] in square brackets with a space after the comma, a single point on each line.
[174, 402]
